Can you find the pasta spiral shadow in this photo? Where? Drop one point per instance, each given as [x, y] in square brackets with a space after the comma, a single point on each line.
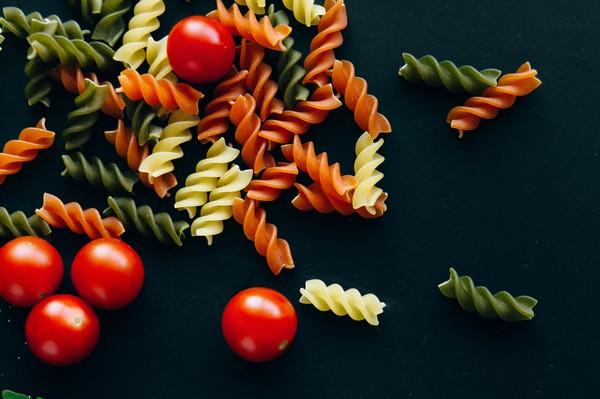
[82, 120]
[342, 302]
[220, 205]
[493, 99]
[161, 92]
[480, 299]
[17, 224]
[160, 226]
[305, 11]
[445, 73]
[127, 147]
[264, 235]
[356, 98]
[366, 193]
[204, 180]
[272, 182]
[216, 118]
[79, 221]
[24, 149]
[98, 174]
[320, 60]
[141, 25]
[248, 26]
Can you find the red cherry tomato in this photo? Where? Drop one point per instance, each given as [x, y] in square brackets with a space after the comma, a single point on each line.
[62, 330]
[200, 49]
[30, 269]
[108, 273]
[259, 324]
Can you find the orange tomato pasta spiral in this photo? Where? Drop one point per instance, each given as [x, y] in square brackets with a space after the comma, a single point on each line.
[73, 80]
[30, 142]
[216, 119]
[127, 147]
[248, 26]
[254, 148]
[320, 60]
[493, 99]
[78, 220]
[264, 235]
[161, 92]
[281, 128]
[259, 81]
[272, 182]
[356, 98]
[314, 197]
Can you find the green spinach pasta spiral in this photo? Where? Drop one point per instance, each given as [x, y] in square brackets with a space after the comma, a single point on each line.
[17, 224]
[142, 119]
[456, 79]
[480, 299]
[39, 84]
[145, 221]
[98, 174]
[85, 116]
[106, 16]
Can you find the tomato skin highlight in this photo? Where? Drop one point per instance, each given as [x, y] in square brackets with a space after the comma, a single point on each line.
[259, 324]
[30, 270]
[200, 49]
[62, 330]
[108, 273]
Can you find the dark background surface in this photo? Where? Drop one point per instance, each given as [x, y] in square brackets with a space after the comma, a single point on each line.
[514, 205]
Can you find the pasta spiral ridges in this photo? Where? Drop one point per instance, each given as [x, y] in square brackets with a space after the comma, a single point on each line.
[84, 117]
[248, 27]
[146, 222]
[127, 147]
[264, 235]
[305, 11]
[161, 92]
[17, 224]
[306, 114]
[111, 26]
[366, 193]
[158, 59]
[480, 299]
[88, 8]
[15, 153]
[493, 99]
[97, 174]
[144, 22]
[314, 197]
[216, 119]
[220, 203]
[320, 60]
[79, 221]
[272, 182]
[257, 6]
[142, 117]
[364, 105]
[254, 148]
[168, 148]
[20, 25]
[456, 79]
[349, 302]
[39, 84]
[258, 81]
[73, 80]
[204, 180]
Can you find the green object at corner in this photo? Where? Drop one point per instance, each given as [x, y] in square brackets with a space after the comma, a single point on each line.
[6, 394]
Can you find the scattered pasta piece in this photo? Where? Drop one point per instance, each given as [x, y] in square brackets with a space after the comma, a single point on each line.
[366, 193]
[305, 11]
[480, 299]
[143, 118]
[84, 117]
[272, 182]
[17, 224]
[349, 302]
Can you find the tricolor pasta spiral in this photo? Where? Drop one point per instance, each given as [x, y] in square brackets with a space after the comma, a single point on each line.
[158, 60]
[493, 99]
[79, 221]
[24, 149]
[272, 182]
[144, 22]
[305, 11]
[220, 203]
[145, 221]
[204, 180]
[349, 302]
[480, 299]
[98, 174]
[366, 192]
[17, 224]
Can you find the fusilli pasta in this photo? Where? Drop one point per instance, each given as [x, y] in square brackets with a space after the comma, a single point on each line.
[305, 11]
[480, 299]
[39, 84]
[158, 60]
[25, 149]
[510, 86]
[314, 197]
[17, 224]
[142, 119]
[272, 182]
[349, 302]
[106, 16]
[366, 193]
[257, 6]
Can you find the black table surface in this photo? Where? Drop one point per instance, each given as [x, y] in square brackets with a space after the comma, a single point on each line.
[514, 205]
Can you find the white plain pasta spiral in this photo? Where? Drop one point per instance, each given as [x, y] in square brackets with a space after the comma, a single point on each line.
[305, 11]
[367, 160]
[158, 60]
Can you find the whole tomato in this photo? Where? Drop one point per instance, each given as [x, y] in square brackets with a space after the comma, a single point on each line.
[108, 273]
[62, 330]
[259, 324]
[200, 49]
[30, 269]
